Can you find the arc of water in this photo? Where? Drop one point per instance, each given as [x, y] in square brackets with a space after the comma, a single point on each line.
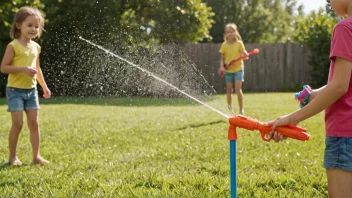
[155, 77]
[206, 82]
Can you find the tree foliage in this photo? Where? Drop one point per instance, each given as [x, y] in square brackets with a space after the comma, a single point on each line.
[258, 21]
[7, 10]
[316, 30]
[153, 20]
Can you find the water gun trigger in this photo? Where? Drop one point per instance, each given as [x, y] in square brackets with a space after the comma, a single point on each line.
[265, 136]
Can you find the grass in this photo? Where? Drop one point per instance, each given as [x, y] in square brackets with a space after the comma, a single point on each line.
[130, 147]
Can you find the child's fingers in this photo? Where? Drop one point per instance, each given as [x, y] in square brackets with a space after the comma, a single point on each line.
[277, 137]
[46, 96]
[271, 123]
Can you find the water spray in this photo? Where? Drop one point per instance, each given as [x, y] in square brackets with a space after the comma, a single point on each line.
[154, 76]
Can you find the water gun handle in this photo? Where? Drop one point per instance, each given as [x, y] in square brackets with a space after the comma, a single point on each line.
[303, 96]
[289, 131]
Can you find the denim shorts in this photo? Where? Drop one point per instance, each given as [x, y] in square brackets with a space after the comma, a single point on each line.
[231, 77]
[338, 153]
[22, 99]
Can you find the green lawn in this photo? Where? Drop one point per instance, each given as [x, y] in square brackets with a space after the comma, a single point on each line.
[129, 147]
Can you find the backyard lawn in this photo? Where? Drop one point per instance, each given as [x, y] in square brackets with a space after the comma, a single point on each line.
[149, 147]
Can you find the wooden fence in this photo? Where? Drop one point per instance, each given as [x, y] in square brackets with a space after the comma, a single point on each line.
[277, 67]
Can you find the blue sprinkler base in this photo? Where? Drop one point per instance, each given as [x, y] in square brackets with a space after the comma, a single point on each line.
[233, 176]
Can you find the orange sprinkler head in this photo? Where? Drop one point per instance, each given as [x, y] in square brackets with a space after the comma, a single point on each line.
[293, 132]
[242, 122]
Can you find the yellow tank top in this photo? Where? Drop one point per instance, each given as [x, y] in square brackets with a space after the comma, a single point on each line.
[25, 56]
[231, 52]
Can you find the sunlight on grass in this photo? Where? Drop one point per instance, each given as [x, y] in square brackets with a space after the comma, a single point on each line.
[128, 147]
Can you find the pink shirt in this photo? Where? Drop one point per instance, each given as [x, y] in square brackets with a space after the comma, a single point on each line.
[338, 116]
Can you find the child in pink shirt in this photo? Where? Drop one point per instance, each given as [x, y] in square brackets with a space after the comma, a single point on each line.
[336, 99]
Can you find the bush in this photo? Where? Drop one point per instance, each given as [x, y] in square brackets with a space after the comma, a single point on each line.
[316, 30]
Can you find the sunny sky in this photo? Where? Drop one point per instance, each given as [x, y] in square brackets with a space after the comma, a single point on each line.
[312, 4]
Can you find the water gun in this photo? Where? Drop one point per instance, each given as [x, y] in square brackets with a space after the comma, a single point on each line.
[290, 131]
[303, 96]
[241, 57]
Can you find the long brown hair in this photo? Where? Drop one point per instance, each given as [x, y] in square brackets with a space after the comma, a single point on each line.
[20, 16]
[234, 28]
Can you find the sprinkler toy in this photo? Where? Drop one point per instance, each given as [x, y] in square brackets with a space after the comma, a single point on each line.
[303, 96]
[290, 131]
[240, 121]
[222, 73]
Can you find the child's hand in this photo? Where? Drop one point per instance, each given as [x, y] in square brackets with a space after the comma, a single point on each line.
[281, 121]
[222, 68]
[47, 93]
[246, 54]
[30, 71]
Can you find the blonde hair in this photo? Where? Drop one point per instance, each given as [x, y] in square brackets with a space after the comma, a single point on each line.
[234, 28]
[21, 16]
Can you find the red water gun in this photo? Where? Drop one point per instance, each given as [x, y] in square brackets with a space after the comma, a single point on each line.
[290, 131]
[241, 57]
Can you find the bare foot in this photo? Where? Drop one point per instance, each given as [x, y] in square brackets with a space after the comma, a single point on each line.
[40, 161]
[15, 162]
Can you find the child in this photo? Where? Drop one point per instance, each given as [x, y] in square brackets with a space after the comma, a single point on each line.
[21, 62]
[231, 49]
[335, 98]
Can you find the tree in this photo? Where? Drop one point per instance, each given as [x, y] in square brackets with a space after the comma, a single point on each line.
[154, 20]
[316, 30]
[258, 21]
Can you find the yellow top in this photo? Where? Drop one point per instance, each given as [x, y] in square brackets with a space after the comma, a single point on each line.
[231, 52]
[25, 56]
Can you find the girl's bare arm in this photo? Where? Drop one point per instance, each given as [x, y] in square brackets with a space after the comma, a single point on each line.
[40, 77]
[315, 92]
[330, 93]
[222, 62]
[7, 68]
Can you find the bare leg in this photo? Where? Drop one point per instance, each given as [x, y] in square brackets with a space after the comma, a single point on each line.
[339, 183]
[17, 123]
[229, 93]
[33, 125]
[239, 93]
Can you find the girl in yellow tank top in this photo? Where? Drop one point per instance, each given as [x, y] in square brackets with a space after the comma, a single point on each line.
[231, 49]
[21, 62]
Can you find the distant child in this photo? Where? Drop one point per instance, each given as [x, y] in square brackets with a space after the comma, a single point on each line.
[336, 99]
[231, 49]
[21, 62]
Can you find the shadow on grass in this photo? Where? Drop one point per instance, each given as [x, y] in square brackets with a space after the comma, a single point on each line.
[5, 166]
[115, 101]
[200, 125]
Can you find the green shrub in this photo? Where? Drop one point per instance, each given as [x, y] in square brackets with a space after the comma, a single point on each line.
[315, 30]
